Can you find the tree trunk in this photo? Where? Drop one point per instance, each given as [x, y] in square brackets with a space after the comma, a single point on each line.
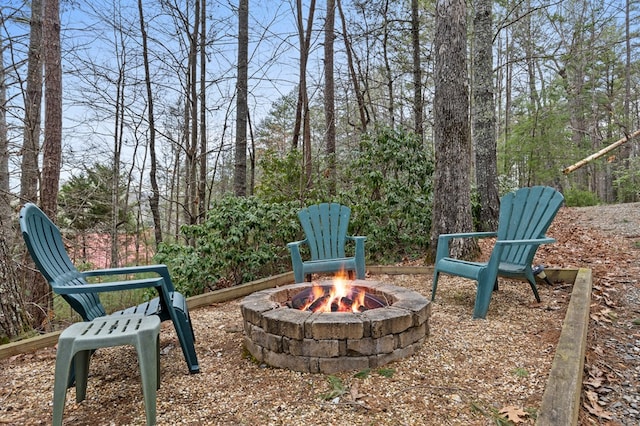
[240, 175]
[40, 293]
[5, 193]
[483, 110]
[418, 120]
[202, 184]
[29, 169]
[13, 316]
[452, 193]
[329, 95]
[304, 37]
[362, 109]
[32, 109]
[154, 199]
[387, 65]
[118, 135]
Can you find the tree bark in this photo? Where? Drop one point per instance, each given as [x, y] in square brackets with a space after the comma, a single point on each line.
[40, 293]
[304, 37]
[452, 187]
[483, 110]
[387, 66]
[202, 184]
[329, 95]
[362, 109]
[13, 315]
[418, 120]
[154, 199]
[32, 111]
[240, 175]
[5, 193]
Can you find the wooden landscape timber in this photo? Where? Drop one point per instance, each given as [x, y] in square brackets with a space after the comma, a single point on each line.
[600, 153]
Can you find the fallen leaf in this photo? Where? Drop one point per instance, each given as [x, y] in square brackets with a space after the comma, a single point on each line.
[514, 414]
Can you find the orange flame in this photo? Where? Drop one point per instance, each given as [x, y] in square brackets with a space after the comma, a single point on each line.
[341, 297]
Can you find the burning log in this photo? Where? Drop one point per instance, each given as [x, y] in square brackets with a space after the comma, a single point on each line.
[326, 298]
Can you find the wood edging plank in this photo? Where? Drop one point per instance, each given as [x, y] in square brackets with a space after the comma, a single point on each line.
[561, 398]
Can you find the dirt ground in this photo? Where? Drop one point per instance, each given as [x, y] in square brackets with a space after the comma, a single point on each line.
[468, 372]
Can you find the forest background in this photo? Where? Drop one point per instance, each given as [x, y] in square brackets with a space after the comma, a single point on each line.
[190, 132]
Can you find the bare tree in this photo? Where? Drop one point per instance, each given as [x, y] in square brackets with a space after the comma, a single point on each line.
[32, 111]
[154, 199]
[5, 193]
[452, 187]
[417, 70]
[40, 292]
[387, 64]
[191, 122]
[240, 174]
[362, 109]
[302, 107]
[329, 95]
[202, 184]
[483, 116]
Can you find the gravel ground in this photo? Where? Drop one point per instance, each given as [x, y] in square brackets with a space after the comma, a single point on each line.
[611, 394]
[468, 372]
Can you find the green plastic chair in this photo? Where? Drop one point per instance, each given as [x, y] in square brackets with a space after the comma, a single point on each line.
[45, 245]
[525, 216]
[78, 341]
[325, 228]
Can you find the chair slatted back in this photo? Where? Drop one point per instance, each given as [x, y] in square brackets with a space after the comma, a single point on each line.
[325, 227]
[45, 244]
[526, 214]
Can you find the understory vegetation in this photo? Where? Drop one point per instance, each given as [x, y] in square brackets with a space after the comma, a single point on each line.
[388, 187]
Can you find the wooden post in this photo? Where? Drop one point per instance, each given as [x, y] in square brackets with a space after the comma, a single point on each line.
[600, 153]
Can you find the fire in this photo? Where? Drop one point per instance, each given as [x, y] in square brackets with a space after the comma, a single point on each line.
[340, 297]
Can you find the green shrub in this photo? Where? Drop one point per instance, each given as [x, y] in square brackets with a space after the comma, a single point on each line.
[281, 179]
[390, 192]
[242, 239]
[580, 198]
[627, 182]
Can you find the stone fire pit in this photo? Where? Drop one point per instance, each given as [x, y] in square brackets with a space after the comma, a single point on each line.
[329, 342]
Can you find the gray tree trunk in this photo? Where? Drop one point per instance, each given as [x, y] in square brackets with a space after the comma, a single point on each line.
[13, 315]
[452, 186]
[32, 112]
[154, 199]
[240, 175]
[362, 109]
[417, 70]
[329, 95]
[5, 193]
[202, 184]
[484, 117]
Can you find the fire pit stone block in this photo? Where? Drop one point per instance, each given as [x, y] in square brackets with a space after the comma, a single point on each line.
[266, 340]
[334, 365]
[329, 342]
[421, 311]
[336, 325]
[285, 322]
[389, 320]
[370, 346]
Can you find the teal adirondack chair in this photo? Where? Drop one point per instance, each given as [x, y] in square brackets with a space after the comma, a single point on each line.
[44, 242]
[325, 228]
[525, 216]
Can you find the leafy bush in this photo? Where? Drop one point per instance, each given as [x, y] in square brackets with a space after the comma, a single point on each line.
[390, 191]
[580, 198]
[242, 239]
[627, 182]
[281, 179]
